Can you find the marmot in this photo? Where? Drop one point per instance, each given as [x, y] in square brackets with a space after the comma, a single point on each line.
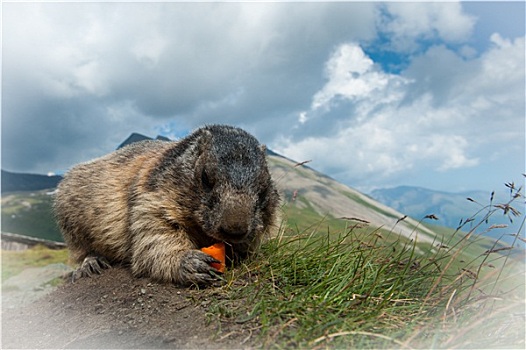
[154, 204]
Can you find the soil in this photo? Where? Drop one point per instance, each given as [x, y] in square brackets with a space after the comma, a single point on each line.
[116, 310]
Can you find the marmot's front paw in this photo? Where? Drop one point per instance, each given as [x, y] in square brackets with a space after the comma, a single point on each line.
[195, 268]
[90, 266]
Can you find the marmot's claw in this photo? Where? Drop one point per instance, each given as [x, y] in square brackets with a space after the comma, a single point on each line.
[91, 265]
[210, 259]
[195, 268]
[203, 279]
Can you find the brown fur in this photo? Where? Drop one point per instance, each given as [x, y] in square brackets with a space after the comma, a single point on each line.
[153, 204]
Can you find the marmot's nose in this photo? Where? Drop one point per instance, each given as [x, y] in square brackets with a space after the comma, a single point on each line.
[236, 217]
[234, 226]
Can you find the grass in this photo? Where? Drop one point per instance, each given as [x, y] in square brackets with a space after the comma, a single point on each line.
[357, 287]
[14, 262]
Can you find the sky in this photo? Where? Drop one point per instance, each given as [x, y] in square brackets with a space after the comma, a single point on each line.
[374, 94]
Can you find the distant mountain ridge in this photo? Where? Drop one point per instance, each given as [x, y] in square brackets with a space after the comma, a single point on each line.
[13, 182]
[313, 193]
[450, 208]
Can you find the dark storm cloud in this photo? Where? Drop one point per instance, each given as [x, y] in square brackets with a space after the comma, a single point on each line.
[79, 77]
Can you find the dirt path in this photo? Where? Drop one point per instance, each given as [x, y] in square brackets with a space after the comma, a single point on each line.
[115, 310]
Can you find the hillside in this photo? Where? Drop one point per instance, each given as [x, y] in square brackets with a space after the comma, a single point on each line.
[30, 213]
[310, 191]
[449, 207]
[12, 182]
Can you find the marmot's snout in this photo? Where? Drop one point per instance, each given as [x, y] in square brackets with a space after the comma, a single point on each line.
[236, 218]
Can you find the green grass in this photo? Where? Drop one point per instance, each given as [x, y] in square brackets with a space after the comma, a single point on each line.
[355, 287]
[14, 262]
[343, 292]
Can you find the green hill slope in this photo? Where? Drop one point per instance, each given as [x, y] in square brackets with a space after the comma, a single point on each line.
[305, 190]
[30, 214]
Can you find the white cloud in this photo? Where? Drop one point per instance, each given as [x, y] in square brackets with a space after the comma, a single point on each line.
[440, 119]
[149, 49]
[90, 77]
[351, 75]
[406, 23]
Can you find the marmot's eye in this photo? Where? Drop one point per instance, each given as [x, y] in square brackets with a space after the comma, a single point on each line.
[208, 183]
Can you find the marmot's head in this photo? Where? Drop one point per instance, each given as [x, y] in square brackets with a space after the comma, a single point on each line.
[237, 197]
[231, 196]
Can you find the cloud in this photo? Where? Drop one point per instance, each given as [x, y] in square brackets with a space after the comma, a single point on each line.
[71, 69]
[408, 23]
[351, 75]
[306, 78]
[440, 119]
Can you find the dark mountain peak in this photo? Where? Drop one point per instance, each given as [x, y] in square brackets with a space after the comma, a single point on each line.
[134, 137]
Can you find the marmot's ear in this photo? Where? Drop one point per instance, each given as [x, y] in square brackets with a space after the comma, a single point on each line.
[263, 149]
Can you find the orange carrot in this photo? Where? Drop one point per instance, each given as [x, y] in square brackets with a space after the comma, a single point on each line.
[217, 251]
